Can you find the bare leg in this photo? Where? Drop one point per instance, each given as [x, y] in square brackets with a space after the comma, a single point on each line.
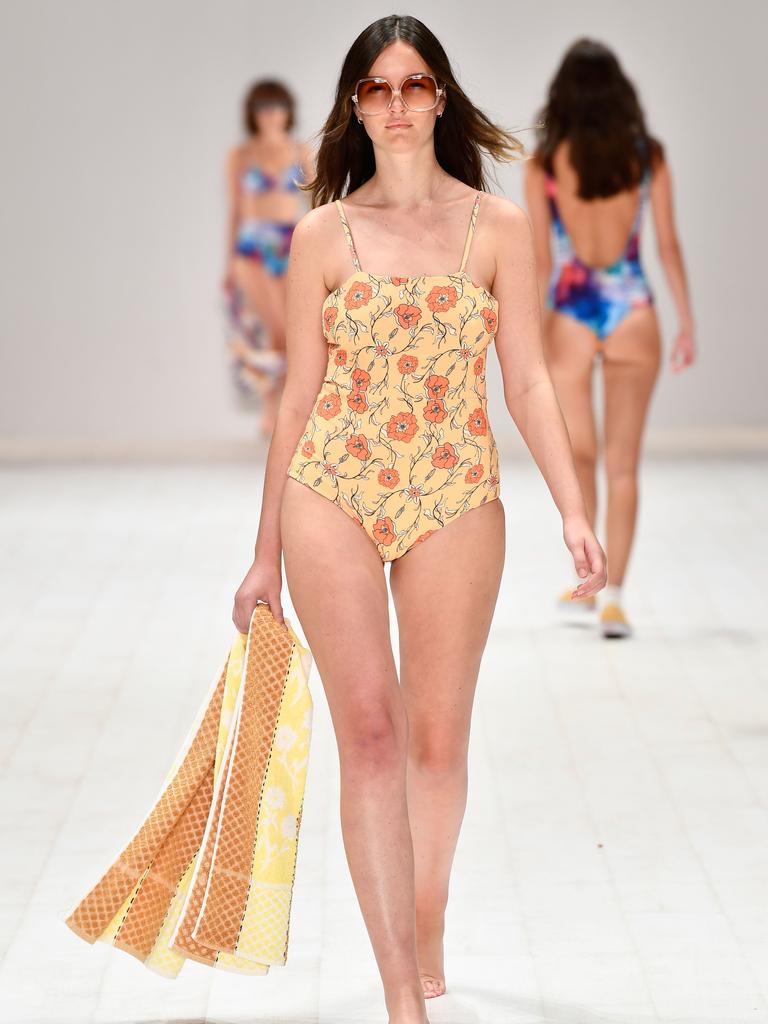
[265, 296]
[570, 349]
[445, 591]
[630, 367]
[342, 605]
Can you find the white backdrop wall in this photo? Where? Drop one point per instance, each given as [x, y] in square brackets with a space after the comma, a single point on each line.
[116, 117]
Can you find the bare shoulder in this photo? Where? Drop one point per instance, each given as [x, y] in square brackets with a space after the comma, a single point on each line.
[315, 235]
[659, 168]
[315, 225]
[234, 155]
[506, 216]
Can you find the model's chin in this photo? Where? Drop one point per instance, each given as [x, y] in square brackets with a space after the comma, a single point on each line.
[407, 135]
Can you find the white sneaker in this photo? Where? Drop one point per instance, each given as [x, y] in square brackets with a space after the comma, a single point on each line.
[613, 622]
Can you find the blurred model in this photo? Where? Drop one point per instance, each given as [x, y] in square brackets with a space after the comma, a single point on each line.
[264, 175]
[594, 170]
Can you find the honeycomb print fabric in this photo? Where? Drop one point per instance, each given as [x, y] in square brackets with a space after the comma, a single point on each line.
[399, 436]
[209, 874]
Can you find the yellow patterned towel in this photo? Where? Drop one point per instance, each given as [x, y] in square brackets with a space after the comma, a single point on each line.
[209, 874]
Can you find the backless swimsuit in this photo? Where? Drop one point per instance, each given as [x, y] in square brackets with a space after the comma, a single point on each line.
[399, 436]
[599, 297]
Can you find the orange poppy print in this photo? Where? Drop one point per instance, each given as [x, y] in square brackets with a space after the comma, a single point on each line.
[361, 379]
[399, 436]
[435, 411]
[357, 445]
[437, 386]
[384, 531]
[407, 315]
[357, 400]
[477, 423]
[389, 478]
[329, 317]
[402, 426]
[407, 364]
[490, 319]
[445, 456]
[329, 406]
[441, 299]
[358, 295]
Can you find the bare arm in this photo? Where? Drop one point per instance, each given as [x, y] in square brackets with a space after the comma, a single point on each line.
[528, 391]
[538, 212]
[307, 360]
[671, 256]
[232, 176]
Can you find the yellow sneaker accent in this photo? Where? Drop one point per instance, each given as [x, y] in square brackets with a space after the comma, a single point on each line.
[613, 622]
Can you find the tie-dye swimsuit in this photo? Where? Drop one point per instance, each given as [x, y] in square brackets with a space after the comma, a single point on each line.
[599, 297]
[266, 240]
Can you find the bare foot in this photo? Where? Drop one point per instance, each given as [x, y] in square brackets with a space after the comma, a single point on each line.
[429, 942]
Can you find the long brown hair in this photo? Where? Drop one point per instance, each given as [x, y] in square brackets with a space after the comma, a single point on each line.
[594, 106]
[463, 135]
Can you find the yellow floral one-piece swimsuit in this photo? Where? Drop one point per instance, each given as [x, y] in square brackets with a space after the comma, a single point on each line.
[399, 436]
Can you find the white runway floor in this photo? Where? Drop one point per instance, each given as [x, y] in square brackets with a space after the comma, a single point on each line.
[613, 867]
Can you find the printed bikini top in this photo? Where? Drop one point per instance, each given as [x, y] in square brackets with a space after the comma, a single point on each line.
[564, 250]
[254, 181]
[441, 311]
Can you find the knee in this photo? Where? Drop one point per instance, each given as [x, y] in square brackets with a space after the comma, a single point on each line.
[374, 738]
[444, 754]
[584, 458]
[620, 469]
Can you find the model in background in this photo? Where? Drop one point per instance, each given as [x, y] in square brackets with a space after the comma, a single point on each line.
[401, 276]
[264, 175]
[594, 170]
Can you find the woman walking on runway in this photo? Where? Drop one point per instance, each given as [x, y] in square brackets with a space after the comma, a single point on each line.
[587, 186]
[383, 453]
[264, 177]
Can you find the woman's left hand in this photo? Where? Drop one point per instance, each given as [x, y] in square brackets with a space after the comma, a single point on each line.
[588, 557]
[683, 351]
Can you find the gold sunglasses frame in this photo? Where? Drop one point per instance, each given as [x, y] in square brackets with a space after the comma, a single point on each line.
[439, 93]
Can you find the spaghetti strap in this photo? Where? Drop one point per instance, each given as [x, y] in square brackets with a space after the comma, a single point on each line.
[470, 233]
[348, 234]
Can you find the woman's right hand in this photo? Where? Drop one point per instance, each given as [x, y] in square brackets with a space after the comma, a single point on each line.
[263, 582]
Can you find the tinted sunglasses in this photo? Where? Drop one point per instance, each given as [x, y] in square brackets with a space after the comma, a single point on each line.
[418, 93]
